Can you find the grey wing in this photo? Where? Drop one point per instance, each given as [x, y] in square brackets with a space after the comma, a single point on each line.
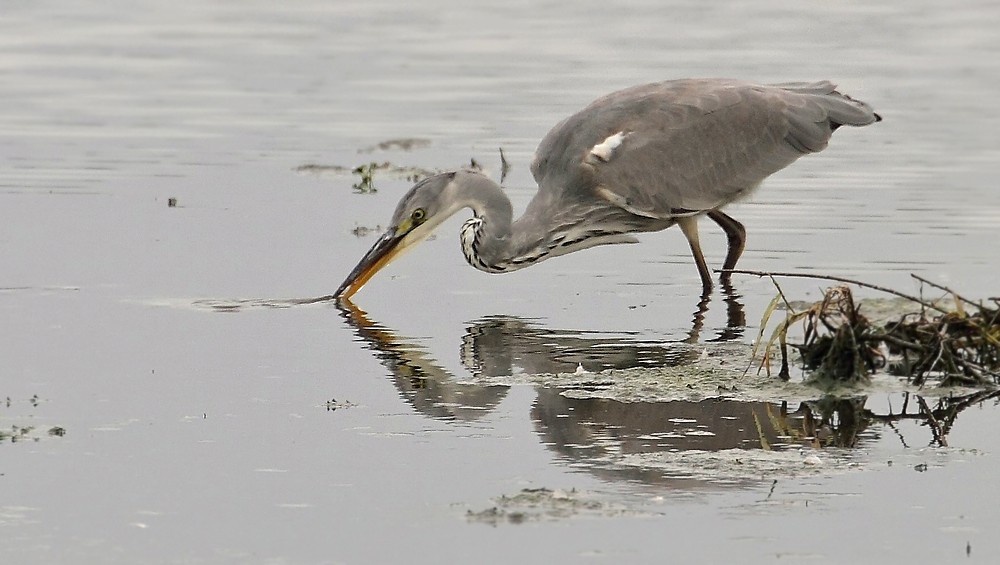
[685, 147]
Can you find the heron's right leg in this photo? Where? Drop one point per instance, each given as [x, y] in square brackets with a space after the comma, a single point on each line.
[689, 226]
[737, 236]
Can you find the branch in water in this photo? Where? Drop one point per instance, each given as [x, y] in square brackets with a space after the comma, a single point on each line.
[838, 279]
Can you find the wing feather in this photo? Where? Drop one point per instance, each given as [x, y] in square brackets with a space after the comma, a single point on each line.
[691, 145]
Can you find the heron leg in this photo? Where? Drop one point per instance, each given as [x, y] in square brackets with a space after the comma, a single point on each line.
[689, 225]
[737, 236]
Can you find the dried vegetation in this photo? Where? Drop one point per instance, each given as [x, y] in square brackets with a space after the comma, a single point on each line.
[957, 345]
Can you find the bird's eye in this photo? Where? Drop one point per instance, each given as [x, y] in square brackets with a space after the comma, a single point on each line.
[418, 215]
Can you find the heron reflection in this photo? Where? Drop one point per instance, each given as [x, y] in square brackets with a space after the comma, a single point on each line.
[426, 386]
[638, 441]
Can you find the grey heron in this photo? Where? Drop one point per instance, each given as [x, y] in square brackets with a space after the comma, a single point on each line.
[637, 160]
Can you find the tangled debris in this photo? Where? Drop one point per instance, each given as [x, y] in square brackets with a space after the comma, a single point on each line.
[962, 347]
[959, 346]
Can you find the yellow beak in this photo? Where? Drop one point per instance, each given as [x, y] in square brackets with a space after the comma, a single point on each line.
[381, 254]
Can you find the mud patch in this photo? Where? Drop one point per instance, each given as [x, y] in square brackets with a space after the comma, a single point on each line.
[366, 173]
[719, 370]
[15, 412]
[401, 144]
[541, 504]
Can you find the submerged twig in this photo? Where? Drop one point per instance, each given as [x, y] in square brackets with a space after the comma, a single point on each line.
[504, 166]
[936, 431]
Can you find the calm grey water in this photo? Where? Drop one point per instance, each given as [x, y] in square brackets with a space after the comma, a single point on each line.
[308, 435]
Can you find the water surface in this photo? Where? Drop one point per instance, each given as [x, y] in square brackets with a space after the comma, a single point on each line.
[305, 434]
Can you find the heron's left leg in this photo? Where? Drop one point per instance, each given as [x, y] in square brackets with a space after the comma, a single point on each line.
[737, 235]
[689, 226]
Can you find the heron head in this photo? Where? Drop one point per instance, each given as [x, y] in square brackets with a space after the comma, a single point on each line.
[429, 203]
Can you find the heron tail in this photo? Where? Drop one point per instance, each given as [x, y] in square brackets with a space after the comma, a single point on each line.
[817, 109]
[840, 108]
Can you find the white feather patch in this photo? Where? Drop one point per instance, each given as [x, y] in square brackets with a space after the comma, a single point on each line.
[606, 148]
[623, 203]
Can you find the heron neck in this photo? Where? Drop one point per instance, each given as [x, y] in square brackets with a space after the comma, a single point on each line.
[548, 228]
[492, 242]
[491, 206]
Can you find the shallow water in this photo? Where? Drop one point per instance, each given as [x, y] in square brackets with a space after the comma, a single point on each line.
[210, 418]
